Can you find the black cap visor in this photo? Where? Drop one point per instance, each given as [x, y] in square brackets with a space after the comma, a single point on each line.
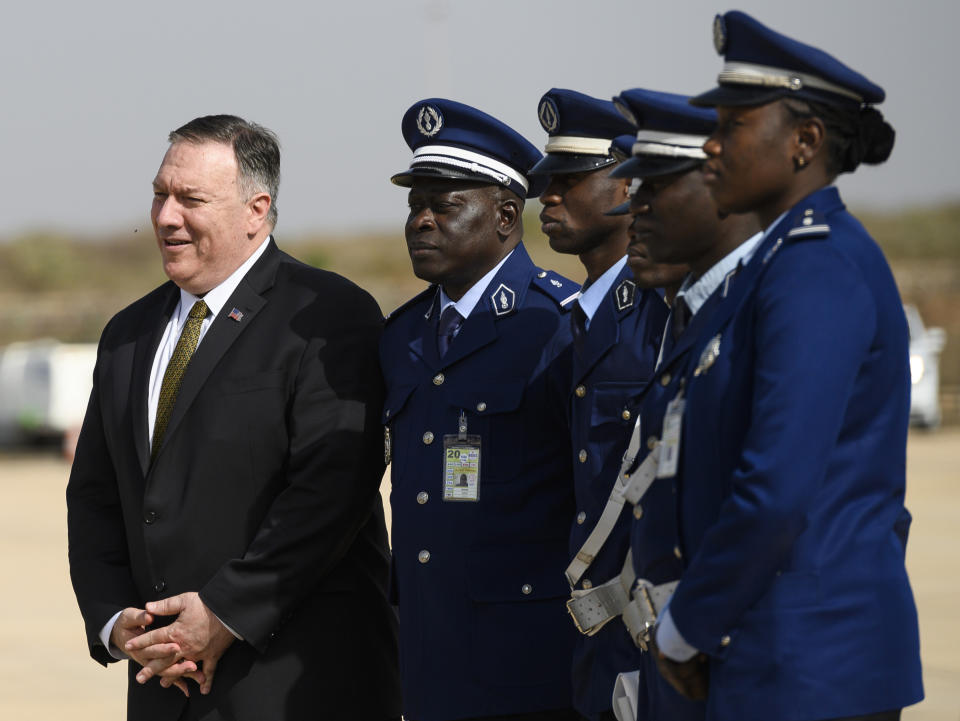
[559, 163]
[650, 166]
[405, 178]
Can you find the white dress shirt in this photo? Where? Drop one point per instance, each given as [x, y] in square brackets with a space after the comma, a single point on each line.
[593, 296]
[215, 300]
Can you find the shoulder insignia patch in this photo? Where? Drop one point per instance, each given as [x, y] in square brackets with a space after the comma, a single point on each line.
[809, 225]
[563, 290]
[624, 294]
[504, 299]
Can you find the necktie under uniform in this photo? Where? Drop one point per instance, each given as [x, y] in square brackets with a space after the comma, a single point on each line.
[450, 322]
[173, 375]
[679, 317]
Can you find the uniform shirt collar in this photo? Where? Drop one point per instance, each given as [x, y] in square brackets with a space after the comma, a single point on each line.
[217, 298]
[470, 299]
[696, 293]
[593, 296]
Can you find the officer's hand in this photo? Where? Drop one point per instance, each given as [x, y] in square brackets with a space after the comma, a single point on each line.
[689, 678]
[197, 632]
[165, 658]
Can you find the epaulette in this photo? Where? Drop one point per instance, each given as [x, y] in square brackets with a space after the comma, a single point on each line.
[563, 290]
[418, 298]
[811, 224]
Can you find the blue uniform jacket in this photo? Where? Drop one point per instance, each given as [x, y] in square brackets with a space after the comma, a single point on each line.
[791, 487]
[610, 370]
[480, 585]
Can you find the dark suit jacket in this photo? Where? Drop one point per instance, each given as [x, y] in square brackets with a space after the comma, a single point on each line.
[263, 497]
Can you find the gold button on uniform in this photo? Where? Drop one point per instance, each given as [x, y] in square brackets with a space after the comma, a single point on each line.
[581, 391]
[526, 589]
[428, 438]
[725, 641]
[677, 552]
[422, 497]
[438, 379]
[587, 583]
[583, 456]
[423, 556]
[625, 415]
[581, 517]
[665, 379]
[481, 407]
[638, 512]
[542, 274]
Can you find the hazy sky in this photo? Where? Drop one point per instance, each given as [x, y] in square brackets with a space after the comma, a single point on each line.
[92, 88]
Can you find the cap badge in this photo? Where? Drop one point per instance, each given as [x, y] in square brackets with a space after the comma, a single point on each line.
[503, 300]
[719, 34]
[549, 115]
[625, 293]
[429, 121]
[709, 356]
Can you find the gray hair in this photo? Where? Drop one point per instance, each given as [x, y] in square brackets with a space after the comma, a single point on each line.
[256, 148]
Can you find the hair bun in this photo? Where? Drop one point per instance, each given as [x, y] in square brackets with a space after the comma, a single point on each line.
[876, 136]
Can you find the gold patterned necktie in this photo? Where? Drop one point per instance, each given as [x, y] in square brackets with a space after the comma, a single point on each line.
[186, 345]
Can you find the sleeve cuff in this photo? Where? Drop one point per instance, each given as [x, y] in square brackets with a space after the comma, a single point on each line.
[670, 642]
[105, 638]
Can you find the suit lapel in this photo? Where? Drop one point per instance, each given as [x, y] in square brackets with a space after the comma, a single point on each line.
[144, 353]
[223, 332]
[603, 334]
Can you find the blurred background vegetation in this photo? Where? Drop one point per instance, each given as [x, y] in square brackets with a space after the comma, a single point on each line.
[64, 287]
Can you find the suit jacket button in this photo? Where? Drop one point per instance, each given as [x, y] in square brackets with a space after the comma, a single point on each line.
[581, 517]
[581, 391]
[626, 414]
[481, 407]
[583, 455]
[422, 497]
[725, 641]
[438, 379]
[526, 589]
[149, 517]
[159, 586]
[423, 556]
[428, 438]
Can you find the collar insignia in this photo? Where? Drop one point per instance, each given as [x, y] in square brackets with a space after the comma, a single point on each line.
[503, 300]
[625, 294]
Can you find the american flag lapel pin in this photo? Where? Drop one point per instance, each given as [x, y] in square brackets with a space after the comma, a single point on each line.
[236, 315]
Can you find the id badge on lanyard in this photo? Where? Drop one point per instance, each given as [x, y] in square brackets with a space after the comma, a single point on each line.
[670, 438]
[461, 465]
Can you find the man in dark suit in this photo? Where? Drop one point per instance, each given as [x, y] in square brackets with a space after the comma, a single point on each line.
[227, 470]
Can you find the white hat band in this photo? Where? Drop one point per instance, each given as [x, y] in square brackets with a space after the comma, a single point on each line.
[468, 160]
[575, 144]
[670, 145]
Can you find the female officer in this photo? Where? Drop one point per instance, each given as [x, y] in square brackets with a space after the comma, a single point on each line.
[794, 601]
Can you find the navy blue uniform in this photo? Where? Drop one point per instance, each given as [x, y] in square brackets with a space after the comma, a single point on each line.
[611, 367]
[480, 585]
[791, 486]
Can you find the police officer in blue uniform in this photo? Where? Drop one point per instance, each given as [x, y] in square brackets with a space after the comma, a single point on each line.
[793, 442]
[481, 463]
[617, 325]
[675, 220]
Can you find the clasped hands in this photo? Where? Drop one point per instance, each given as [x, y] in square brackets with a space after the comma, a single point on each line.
[189, 648]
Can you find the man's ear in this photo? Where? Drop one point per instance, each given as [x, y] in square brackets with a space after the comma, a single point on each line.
[509, 213]
[257, 208]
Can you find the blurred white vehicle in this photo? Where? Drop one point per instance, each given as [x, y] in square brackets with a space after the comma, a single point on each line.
[925, 347]
[44, 388]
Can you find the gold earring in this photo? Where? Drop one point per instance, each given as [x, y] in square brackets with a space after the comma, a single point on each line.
[801, 161]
